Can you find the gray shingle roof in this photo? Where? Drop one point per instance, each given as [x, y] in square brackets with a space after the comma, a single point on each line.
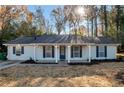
[61, 39]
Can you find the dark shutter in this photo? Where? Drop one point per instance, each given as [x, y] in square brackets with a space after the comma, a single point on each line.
[97, 51]
[80, 51]
[71, 51]
[53, 51]
[22, 50]
[43, 51]
[105, 47]
[13, 50]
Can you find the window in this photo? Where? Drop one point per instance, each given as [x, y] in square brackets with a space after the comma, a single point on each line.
[18, 50]
[48, 51]
[76, 51]
[101, 51]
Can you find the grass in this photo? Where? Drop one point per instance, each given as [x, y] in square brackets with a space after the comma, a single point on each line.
[103, 75]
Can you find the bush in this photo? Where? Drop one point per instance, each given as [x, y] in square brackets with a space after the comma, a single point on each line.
[120, 49]
[30, 61]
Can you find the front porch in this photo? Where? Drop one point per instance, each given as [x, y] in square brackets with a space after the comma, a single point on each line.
[62, 53]
[61, 62]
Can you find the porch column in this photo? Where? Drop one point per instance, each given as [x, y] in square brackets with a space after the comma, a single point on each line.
[69, 52]
[56, 53]
[34, 52]
[89, 47]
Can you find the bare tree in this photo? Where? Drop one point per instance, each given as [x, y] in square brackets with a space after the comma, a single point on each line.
[73, 17]
[58, 16]
[48, 27]
[105, 18]
[40, 20]
[118, 20]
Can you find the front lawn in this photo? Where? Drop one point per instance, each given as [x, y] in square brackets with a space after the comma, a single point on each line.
[103, 74]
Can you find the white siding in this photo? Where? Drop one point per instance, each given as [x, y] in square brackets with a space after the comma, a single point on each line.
[111, 52]
[58, 50]
[66, 51]
[29, 53]
[93, 52]
[39, 53]
[84, 54]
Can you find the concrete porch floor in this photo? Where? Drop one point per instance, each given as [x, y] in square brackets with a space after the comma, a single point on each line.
[61, 63]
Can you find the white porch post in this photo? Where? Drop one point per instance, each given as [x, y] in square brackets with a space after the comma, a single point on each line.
[69, 53]
[56, 54]
[34, 52]
[89, 47]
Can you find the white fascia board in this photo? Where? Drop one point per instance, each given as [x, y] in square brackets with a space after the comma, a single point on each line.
[16, 44]
[108, 44]
[61, 44]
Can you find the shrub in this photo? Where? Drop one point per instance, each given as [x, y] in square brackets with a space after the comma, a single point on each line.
[30, 61]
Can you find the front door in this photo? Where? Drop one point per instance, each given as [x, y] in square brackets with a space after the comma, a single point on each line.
[62, 52]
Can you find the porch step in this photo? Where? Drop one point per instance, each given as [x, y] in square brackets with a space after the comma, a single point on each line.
[46, 62]
[79, 61]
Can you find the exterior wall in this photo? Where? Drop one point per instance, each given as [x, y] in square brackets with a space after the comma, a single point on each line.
[39, 54]
[66, 51]
[93, 52]
[29, 53]
[84, 54]
[111, 52]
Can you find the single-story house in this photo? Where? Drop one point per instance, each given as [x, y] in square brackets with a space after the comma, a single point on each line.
[56, 48]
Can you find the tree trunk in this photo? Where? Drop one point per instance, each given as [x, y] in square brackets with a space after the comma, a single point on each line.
[102, 25]
[96, 32]
[88, 27]
[92, 27]
[105, 18]
[118, 21]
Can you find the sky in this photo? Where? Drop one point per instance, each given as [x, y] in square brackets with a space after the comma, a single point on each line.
[46, 9]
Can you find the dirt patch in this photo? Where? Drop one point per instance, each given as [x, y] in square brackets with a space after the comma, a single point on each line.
[102, 75]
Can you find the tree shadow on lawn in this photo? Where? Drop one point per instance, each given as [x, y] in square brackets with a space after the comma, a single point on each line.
[58, 76]
[56, 72]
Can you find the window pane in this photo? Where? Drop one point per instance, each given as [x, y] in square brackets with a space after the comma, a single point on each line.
[48, 51]
[76, 51]
[101, 51]
[76, 55]
[18, 50]
[101, 48]
[76, 48]
[101, 54]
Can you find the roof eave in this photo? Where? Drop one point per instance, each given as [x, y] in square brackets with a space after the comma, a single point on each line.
[61, 44]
